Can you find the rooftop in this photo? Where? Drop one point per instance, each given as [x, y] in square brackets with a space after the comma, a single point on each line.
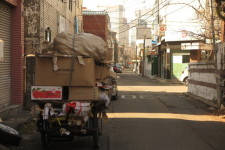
[87, 12]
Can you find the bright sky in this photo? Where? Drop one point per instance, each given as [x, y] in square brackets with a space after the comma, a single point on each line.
[129, 5]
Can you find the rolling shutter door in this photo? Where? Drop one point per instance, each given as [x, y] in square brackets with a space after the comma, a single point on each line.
[5, 66]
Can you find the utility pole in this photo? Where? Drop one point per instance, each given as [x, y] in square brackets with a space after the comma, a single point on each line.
[214, 50]
[136, 60]
[143, 65]
[158, 10]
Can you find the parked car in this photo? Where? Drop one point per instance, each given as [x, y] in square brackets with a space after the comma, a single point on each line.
[117, 68]
[184, 76]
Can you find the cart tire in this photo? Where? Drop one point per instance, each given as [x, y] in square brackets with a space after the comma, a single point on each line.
[95, 125]
[115, 97]
[45, 140]
[9, 135]
[96, 140]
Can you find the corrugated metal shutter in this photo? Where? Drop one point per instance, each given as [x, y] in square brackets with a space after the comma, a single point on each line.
[5, 67]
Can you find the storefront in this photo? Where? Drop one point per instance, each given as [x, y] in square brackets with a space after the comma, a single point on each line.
[11, 53]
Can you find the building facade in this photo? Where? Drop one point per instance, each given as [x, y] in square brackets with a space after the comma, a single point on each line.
[119, 25]
[180, 38]
[45, 19]
[97, 23]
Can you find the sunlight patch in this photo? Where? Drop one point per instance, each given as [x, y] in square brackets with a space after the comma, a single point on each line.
[149, 88]
[162, 116]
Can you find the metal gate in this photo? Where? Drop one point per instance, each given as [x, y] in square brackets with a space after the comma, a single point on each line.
[5, 65]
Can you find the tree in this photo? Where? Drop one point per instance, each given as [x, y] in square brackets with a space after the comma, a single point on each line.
[220, 8]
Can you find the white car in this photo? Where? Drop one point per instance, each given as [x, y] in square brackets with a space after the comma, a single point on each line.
[184, 76]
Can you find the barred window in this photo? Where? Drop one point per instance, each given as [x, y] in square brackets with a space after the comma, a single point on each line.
[70, 5]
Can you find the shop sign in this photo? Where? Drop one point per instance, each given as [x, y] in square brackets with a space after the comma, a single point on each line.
[46, 93]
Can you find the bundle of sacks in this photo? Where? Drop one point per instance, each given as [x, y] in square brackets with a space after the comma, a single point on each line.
[81, 44]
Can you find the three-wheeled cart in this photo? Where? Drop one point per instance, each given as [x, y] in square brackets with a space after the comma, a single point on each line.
[65, 87]
[58, 127]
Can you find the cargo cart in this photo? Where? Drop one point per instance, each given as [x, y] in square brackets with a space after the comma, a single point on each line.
[66, 87]
[57, 127]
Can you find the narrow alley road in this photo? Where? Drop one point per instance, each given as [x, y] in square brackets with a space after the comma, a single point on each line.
[152, 115]
[149, 115]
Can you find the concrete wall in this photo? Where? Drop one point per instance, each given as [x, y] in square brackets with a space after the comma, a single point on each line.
[202, 81]
[148, 68]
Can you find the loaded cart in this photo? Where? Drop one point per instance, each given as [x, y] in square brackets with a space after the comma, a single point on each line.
[68, 92]
[60, 121]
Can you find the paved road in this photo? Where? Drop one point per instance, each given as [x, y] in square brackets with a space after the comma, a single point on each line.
[149, 115]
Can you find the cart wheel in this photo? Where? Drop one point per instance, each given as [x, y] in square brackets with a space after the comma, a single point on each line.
[45, 139]
[115, 97]
[95, 125]
[96, 140]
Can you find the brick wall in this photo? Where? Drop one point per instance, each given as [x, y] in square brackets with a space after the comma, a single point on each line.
[17, 54]
[97, 25]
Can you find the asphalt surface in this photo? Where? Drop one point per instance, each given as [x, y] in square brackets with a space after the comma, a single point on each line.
[149, 115]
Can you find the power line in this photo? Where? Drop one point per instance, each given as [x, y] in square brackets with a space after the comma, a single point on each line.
[162, 16]
[142, 15]
[124, 8]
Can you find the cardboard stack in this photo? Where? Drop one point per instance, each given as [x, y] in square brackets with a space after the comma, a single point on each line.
[82, 74]
[78, 78]
[76, 74]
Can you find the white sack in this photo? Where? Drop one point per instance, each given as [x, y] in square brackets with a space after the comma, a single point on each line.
[85, 44]
[102, 95]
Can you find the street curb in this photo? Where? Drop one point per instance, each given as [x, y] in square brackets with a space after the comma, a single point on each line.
[168, 80]
[203, 100]
[18, 120]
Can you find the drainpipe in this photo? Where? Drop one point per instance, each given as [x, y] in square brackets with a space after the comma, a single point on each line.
[143, 65]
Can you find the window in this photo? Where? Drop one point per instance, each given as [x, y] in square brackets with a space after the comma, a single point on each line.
[48, 34]
[70, 5]
[186, 59]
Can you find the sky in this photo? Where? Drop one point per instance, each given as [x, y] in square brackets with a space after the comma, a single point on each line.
[129, 5]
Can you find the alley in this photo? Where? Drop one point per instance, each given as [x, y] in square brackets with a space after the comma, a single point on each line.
[149, 115]
[152, 115]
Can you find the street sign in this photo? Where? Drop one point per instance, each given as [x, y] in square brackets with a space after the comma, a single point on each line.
[162, 29]
[154, 42]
